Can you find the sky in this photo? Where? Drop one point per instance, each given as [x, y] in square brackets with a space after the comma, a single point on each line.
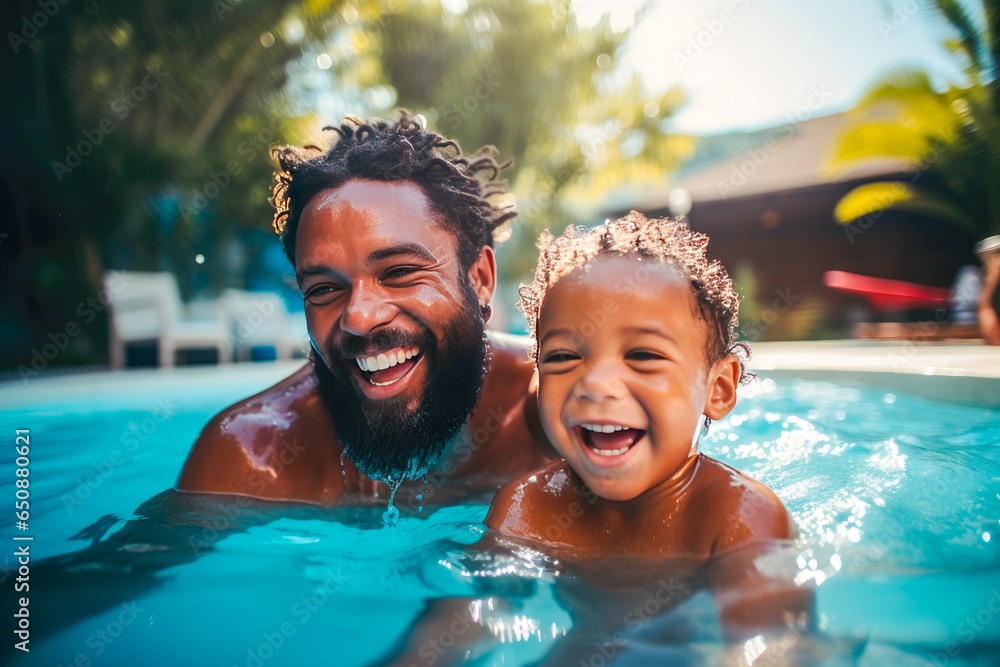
[746, 64]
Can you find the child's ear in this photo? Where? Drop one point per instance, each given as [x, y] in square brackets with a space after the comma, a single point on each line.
[723, 380]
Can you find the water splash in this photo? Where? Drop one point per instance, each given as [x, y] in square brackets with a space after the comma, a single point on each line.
[391, 516]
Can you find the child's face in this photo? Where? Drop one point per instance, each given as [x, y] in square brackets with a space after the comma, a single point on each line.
[622, 349]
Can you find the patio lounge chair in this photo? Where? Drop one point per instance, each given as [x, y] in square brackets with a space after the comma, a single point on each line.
[261, 319]
[147, 307]
[894, 297]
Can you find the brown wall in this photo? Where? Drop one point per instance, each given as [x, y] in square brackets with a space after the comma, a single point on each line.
[790, 239]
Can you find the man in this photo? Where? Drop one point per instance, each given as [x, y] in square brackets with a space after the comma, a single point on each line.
[391, 235]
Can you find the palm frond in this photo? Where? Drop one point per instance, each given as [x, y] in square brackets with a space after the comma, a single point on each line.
[968, 32]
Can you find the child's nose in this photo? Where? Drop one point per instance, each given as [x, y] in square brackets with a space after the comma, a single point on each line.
[602, 381]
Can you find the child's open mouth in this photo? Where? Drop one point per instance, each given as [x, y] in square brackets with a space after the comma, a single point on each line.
[609, 439]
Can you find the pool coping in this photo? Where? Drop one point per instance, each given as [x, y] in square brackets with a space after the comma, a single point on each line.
[960, 372]
[957, 372]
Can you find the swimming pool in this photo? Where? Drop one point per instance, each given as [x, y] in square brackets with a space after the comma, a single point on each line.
[896, 498]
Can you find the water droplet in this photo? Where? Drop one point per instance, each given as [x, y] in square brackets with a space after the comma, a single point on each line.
[420, 496]
[986, 537]
[420, 509]
[376, 494]
[391, 516]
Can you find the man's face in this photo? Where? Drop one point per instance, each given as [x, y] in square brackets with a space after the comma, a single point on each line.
[395, 323]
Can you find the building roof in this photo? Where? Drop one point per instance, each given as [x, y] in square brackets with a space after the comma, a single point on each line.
[788, 157]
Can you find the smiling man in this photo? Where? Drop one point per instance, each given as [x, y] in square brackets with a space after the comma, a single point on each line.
[390, 232]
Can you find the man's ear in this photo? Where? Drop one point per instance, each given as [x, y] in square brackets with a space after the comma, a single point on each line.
[483, 275]
[723, 380]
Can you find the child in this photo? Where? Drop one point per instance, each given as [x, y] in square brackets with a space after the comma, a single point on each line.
[635, 354]
[634, 348]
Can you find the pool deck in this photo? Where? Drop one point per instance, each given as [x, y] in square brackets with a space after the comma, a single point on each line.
[962, 372]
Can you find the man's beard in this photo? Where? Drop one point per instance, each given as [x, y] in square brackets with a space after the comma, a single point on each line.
[386, 439]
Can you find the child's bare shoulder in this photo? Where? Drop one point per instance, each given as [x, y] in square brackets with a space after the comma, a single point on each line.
[744, 508]
[525, 506]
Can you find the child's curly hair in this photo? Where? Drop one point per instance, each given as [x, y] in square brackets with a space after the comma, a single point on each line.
[667, 239]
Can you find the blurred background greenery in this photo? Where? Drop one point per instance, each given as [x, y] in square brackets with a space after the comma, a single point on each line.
[136, 134]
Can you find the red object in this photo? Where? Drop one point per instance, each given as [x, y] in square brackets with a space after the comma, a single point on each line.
[888, 295]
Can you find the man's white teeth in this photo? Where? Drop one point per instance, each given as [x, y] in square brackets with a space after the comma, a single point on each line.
[603, 428]
[386, 359]
[610, 452]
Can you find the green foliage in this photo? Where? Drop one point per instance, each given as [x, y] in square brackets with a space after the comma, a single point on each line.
[950, 137]
[522, 75]
[176, 102]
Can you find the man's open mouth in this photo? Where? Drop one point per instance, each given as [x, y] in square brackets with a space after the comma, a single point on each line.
[609, 440]
[389, 366]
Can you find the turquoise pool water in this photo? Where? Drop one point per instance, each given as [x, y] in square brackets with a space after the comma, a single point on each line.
[896, 498]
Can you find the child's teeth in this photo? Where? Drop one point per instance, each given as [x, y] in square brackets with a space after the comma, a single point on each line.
[603, 428]
[611, 452]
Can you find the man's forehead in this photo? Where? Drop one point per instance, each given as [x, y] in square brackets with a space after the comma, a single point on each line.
[402, 197]
[363, 216]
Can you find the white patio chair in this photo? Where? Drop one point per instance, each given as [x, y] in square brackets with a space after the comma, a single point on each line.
[261, 319]
[147, 307]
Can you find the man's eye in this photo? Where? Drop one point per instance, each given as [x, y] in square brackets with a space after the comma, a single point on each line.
[399, 272]
[558, 357]
[322, 295]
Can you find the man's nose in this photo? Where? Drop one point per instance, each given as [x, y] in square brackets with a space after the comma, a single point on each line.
[601, 381]
[367, 309]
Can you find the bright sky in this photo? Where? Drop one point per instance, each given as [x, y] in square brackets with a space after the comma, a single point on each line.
[768, 59]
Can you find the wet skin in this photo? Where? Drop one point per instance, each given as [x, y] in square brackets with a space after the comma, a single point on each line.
[371, 255]
[636, 491]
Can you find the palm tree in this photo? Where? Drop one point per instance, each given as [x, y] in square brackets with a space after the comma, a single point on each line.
[951, 139]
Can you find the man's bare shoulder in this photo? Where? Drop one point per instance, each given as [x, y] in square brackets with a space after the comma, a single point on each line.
[744, 509]
[253, 446]
[525, 507]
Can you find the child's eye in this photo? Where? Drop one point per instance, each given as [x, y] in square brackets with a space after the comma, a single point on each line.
[558, 357]
[644, 355]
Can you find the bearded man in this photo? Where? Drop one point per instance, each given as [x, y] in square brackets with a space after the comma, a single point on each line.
[391, 233]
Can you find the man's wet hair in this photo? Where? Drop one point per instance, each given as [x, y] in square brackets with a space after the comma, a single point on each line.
[668, 240]
[465, 203]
